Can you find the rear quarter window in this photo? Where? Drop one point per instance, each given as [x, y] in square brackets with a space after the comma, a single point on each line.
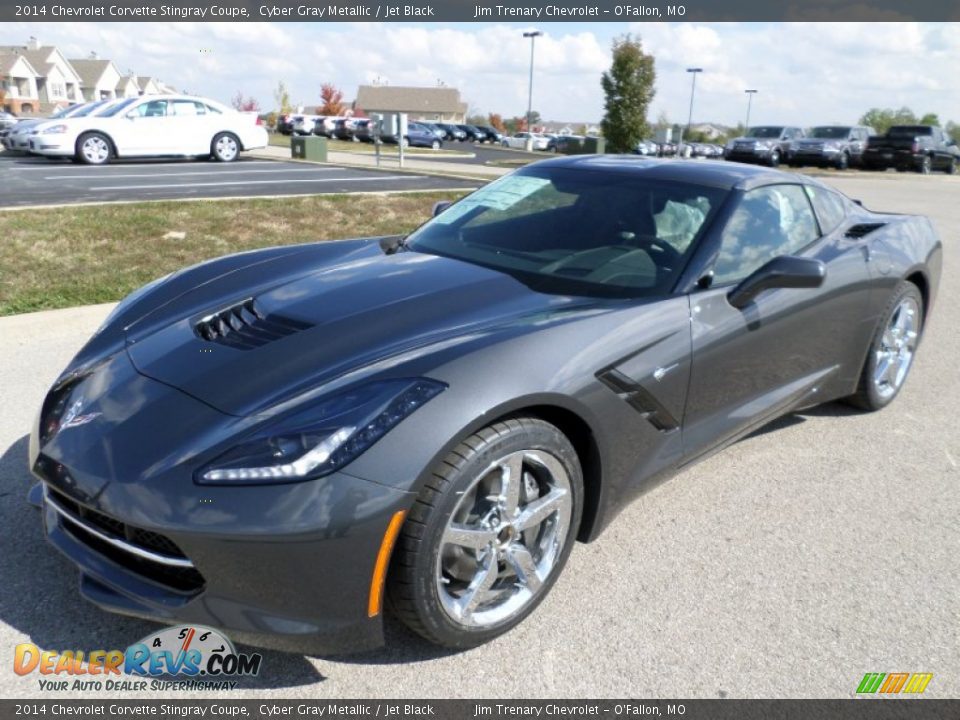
[830, 208]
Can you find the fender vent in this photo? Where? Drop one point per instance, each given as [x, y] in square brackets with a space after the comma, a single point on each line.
[244, 326]
[862, 229]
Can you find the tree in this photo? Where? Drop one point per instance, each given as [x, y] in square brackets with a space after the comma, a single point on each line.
[477, 119]
[881, 119]
[953, 129]
[332, 100]
[629, 89]
[281, 97]
[496, 122]
[248, 104]
[930, 119]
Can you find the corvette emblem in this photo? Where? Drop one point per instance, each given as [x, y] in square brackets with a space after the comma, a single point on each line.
[73, 418]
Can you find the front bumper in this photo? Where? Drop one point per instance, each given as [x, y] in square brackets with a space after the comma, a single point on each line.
[759, 155]
[283, 566]
[815, 157]
[53, 146]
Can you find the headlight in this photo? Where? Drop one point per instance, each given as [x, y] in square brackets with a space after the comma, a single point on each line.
[54, 130]
[326, 437]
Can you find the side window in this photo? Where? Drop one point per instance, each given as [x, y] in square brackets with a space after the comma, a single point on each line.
[154, 108]
[830, 208]
[187, 107]
[770, 221]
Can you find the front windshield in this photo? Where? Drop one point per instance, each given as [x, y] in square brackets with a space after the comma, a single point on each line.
[576, 232]
[765, 132]
[113, 110]
[830, 133]
[90, 109]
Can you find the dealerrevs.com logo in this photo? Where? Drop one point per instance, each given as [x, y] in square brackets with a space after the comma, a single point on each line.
[189, 657]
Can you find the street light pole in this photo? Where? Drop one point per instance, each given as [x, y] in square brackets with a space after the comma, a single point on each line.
[533, 35]
[750, 94]
[693, 89]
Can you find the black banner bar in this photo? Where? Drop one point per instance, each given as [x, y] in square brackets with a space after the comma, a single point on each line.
[861, 709]
[541, 11]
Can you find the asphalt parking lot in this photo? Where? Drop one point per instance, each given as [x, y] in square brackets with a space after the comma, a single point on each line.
[822, 547]
[28, 181]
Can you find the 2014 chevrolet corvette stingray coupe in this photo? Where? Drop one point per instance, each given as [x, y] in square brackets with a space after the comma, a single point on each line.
[278, 442]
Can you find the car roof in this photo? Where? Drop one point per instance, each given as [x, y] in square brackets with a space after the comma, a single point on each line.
[715, 173]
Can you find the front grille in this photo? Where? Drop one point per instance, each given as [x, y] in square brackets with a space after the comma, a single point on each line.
[244, 326]
[173, 570]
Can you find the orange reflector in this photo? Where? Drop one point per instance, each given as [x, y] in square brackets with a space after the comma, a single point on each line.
[383, 559]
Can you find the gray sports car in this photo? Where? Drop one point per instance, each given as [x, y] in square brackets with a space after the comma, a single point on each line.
[273, 442]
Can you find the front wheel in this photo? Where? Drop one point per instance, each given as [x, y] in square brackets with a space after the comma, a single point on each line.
[952, 168]
[94, 149]
[892, 350]
[843, 161]
[925, 166]
[225, 147]
[774, 158]
[488, 534]
[435, 145]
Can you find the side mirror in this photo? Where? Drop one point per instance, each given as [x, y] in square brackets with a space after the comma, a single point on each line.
[439, 207]
[784, 271]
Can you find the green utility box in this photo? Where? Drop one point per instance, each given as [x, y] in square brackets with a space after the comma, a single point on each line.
[594, 145]
[309, 147]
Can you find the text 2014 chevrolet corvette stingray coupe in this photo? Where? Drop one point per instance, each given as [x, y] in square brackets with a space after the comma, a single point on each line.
[274, 442]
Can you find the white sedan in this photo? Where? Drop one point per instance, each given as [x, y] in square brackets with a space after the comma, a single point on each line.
[519, 141]
[152, 126]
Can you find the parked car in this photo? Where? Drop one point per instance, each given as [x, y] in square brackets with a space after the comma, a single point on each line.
[472, 134]
[304, 124]
[449, 425]
[923, 148]
[345, 128]
[838, 146]
[647, 147]
[434, 128]
[285, 124]
[7, 120]
[152, 126]
[519, 141]
[364, 130]
[765, 145]
[453, 132]
[566, 144]
[17, 137]
[417, 136]
[491, 134]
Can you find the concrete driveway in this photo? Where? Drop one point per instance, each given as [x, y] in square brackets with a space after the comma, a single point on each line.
[823, 547]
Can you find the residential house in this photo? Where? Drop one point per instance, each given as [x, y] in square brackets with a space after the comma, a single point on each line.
[19, 85]
[57, 82]
[128, 87]
[98, 78]
[149, 85]
[433, 104]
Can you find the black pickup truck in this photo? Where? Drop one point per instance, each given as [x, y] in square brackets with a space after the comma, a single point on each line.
[923, 148]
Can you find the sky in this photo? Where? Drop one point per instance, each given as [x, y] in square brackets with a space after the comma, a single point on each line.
[806, 73]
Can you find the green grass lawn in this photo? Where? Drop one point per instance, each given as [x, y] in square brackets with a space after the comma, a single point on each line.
[66, 256]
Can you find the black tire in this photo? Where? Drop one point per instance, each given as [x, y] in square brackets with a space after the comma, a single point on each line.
[435, 145]
[925, 165]
[952, 168]
[225, 147]
[843, 161]
[94, 148]
[412, 581]
[774, 158]
[867, 396]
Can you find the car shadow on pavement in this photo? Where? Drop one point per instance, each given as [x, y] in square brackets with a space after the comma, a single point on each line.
[41, 602]
[830, 409]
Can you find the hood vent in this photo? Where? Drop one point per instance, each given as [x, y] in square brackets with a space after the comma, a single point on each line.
[244, 326]
[862, 230]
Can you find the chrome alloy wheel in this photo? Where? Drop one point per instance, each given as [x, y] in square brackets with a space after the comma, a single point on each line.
[504, 538]
[897, 347]
[95, 150]
[226, 148]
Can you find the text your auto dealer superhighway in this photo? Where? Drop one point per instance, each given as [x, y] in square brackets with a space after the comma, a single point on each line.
[147, 11]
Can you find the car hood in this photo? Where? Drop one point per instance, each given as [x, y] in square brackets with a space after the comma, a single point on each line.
[355, 310]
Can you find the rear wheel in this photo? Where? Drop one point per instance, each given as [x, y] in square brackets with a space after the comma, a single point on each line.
[892, 350]
[925, 166]
[843, 161]
[225, 147]
[94, 149]
[435, 145]
[775, 158]
[952, 168]
[489, 533]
